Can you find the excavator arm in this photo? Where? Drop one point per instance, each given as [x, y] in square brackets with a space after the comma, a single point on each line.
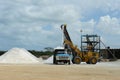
[65, 32]
[68, 44]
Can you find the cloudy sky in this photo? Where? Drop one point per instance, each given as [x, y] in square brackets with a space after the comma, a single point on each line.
[35, 24]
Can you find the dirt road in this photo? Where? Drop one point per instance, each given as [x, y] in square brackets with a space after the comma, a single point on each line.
[58, 72]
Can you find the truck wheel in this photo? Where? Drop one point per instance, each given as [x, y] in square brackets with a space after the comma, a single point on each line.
[69, 62]
[65, 62]
[77, 60]
[93, 60]
[54, 60]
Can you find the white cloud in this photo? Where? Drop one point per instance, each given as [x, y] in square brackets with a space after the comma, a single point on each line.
[88, 26]
[54, 13]
[109, 25]
[106, 5]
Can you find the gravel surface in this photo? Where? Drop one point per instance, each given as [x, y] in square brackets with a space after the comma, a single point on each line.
[100, 71]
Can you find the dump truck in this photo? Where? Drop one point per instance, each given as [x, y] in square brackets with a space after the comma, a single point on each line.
[88, 55]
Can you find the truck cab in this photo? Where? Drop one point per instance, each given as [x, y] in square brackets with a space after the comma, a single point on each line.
[61, 56]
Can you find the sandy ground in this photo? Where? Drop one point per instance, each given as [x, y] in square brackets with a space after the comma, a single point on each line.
[100, 71]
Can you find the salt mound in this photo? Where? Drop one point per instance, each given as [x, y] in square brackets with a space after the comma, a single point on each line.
[18, 55]
[49, 60]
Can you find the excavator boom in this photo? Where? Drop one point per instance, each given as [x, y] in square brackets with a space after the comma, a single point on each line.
[65, 32]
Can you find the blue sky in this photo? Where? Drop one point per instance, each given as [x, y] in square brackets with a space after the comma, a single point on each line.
[35, 24]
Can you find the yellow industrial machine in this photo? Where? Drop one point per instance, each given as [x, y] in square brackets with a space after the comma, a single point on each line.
[88, 53]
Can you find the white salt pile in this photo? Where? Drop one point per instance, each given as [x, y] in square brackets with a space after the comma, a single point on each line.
[18, 55]
[49, 60]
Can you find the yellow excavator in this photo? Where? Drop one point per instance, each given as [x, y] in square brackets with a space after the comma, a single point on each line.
[89, 55]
